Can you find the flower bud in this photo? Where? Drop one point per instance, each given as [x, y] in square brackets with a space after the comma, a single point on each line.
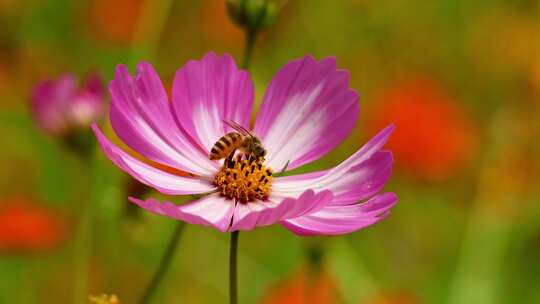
[254, 14]
[60, 106]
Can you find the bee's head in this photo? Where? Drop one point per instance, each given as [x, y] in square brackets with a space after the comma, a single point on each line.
[259, 151]
[254, 146]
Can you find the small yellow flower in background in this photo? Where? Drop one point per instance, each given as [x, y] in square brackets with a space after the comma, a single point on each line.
[104, 299]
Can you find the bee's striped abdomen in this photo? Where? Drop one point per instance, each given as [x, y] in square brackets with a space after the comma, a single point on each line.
[225, 145]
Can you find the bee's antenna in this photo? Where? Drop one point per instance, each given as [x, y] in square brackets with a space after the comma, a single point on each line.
[238, 127]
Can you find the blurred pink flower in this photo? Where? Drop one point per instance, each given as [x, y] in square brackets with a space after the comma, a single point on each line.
[60, 106]
[307, 111]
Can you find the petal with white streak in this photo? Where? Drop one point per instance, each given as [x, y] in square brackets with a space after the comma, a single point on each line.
[307, 110]
[212, 210]
[249, 215]
[160, 180]
[141, 116]
[208, 92]
[359, 177]
[334, 220]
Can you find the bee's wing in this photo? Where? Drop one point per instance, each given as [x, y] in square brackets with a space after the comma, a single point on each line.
[236, 126]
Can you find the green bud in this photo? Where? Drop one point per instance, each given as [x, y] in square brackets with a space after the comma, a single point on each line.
[254, 14]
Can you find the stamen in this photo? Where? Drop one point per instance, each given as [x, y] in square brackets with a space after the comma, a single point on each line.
[244, 179]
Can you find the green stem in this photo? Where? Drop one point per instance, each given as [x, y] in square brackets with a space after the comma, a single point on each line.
[83, 234]
[163, 264]
[233, 276]
[489, 233]
[148, 32]
[251, 35]
[82, 254]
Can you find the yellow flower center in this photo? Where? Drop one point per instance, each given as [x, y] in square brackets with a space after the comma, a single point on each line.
[243, 179]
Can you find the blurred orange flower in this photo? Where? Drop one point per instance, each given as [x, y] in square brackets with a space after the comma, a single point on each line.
[26, 226]
[114, 20]
[218, 27]
[518, 29]
[303, 287]
[434, 137]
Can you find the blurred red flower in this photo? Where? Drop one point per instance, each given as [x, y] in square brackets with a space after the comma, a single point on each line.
[26, 226]
[303, 287]
[434, 137]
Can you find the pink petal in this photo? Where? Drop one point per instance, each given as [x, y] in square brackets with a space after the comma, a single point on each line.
[207, 92]
[333, 220]
[142, 117]
[160, 180]
[211, 210]
[49, 100]
[307, 110]
[263, 213]
[359, 177]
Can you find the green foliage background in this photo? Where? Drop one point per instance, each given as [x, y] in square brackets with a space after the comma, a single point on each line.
[445, 242]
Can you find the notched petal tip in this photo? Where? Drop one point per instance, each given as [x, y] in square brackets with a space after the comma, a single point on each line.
[143, 65]
[301, 93]
[121, 71]
[205, 92]
[336, 220]
[390, 128]
[212, 58]
[94, 127]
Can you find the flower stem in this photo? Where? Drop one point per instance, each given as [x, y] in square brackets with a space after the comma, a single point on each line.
[163, 264]
[84, 232]
[233, 277]
[251, 34]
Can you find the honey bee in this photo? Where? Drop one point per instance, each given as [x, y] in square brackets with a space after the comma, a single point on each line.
[242, 140]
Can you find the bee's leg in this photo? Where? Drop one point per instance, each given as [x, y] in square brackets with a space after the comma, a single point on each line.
[230, 157]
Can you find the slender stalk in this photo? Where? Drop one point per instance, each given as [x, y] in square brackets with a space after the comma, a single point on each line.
[83, 234]
[163, 264]
[233, 276]
[489, 231]
[251, 34]
[149, 29]
[82, 253]
[145, 44]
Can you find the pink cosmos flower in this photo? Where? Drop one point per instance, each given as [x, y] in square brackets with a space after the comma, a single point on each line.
[60, 106]
[308, 109]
